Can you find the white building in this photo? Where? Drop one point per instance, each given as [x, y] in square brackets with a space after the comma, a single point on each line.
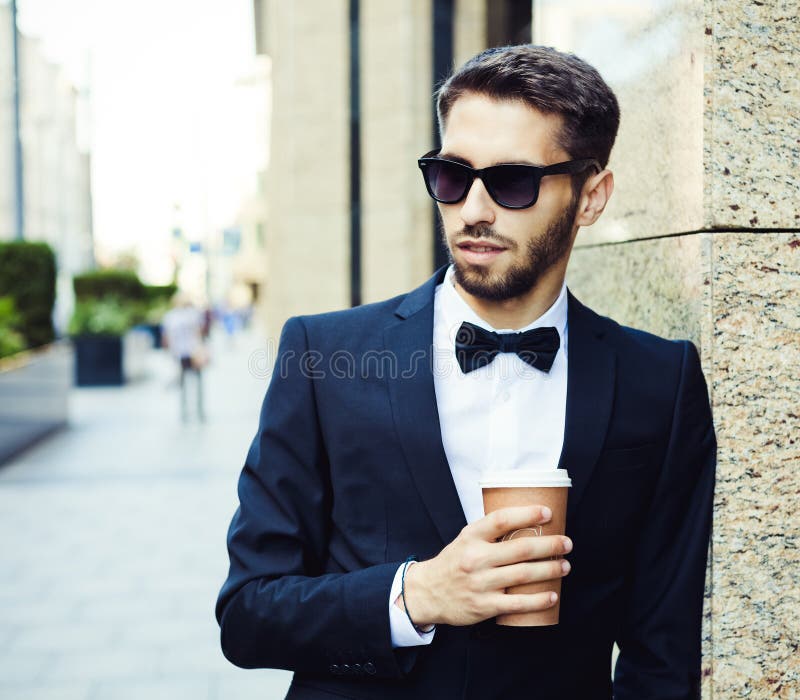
[56, 168]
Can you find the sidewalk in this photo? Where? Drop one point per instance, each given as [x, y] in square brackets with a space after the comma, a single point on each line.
[112, 536]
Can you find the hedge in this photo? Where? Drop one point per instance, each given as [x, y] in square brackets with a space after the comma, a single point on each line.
[111, 301]
[28, 276]
[160, 293]
[124, 285]
[107, 316]
[11, 340]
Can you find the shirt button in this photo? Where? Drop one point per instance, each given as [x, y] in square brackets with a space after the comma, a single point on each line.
[505, 396]
[369, 667]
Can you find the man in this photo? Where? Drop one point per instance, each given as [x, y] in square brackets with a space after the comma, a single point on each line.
[380, 420]
[183, 334]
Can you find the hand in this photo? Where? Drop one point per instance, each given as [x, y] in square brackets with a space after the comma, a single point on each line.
[465, 583]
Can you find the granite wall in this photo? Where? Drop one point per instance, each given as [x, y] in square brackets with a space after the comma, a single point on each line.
[701, 241]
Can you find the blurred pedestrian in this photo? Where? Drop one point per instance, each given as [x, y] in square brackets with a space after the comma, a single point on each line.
[183, 335]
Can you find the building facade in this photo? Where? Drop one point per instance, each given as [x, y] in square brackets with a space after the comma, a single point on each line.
[352, 110]
[56, 167]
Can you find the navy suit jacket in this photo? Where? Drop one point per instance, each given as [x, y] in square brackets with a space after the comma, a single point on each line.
[347, 476]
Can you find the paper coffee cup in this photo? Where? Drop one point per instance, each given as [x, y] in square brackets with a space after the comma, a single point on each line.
[527, 487]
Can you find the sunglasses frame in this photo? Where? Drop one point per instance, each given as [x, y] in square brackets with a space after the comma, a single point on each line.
[568, 167]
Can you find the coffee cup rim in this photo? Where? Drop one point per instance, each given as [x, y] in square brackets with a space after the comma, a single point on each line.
[550, 478]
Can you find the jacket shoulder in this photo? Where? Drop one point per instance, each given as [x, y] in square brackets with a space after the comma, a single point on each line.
[360, 327]
[639, 348]
[357, 315]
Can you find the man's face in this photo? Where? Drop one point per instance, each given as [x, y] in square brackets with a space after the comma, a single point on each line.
[481, 131]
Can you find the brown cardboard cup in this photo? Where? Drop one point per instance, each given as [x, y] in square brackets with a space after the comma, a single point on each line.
[519, 487]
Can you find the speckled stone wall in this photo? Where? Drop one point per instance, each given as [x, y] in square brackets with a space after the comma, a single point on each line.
[735, 296]
[714, 257]
[752, 117]
[710, 95]
[652, 54]
[755, 381]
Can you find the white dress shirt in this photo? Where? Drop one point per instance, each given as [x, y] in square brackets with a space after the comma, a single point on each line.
[502, 416]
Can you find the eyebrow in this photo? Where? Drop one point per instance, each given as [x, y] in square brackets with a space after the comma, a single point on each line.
[464, 161]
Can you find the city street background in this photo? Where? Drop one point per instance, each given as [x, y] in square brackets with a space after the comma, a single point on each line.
[259, 157]
[113, 540]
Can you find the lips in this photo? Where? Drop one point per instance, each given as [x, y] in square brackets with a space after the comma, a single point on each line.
[480, 247]
[479, 252]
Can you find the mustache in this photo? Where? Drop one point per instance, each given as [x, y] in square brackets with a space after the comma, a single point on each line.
[485, 232]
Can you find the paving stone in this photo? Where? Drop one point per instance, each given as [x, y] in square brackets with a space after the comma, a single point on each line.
[113, 540]
[60, 691]
[100, 665]
[19, 667]
[59, 637]
[152, 690]
[260, 684]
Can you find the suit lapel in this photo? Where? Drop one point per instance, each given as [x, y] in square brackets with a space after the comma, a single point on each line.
[591, 375]
[591, 368]
[416, 416]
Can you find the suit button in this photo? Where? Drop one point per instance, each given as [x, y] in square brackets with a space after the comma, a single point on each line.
[345, 668]
[369, 667]
[357, 669]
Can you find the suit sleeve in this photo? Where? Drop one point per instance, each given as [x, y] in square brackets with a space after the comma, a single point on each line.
[278, 608]
[659, 637]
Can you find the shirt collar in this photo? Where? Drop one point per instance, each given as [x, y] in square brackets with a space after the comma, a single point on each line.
[456, 310]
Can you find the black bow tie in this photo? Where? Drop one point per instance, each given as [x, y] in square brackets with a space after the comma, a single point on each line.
[477, 347]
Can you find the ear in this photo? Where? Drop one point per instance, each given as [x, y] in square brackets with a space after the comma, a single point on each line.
[595, 194]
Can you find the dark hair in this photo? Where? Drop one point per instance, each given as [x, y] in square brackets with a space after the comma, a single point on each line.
[549, 81]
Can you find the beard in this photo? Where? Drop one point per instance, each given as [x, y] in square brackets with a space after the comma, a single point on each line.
[541, 253]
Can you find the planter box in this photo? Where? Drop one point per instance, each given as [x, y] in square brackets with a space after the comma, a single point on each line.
[98, 360]
[34, 390]
[111, 360]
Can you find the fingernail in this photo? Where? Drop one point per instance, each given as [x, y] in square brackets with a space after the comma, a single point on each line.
[565, 567]
[567, 544]
[553, 597]
[546, 512]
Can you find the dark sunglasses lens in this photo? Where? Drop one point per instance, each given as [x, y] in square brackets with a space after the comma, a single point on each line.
[447, 181]
[512, 186]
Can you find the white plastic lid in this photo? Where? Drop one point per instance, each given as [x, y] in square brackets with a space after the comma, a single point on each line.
[526, 477]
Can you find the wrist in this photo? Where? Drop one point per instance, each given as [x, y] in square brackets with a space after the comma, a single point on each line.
[420, 607]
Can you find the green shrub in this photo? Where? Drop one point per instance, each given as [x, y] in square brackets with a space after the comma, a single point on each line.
[159, 298]
[11, 340]
[160, 293]
[124, 285]
[28, 276]
[107, 316]
[114, 300]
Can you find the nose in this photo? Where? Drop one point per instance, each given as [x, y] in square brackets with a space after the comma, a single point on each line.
[478, 206]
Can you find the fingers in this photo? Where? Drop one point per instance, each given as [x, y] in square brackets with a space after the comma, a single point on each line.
[528, 572]
[528, 549]
[506, 520]
[506, 603]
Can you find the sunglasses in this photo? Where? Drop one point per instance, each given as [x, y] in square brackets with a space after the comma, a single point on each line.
[512, 186]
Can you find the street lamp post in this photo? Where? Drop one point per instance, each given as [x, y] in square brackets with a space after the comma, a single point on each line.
[20, 195]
